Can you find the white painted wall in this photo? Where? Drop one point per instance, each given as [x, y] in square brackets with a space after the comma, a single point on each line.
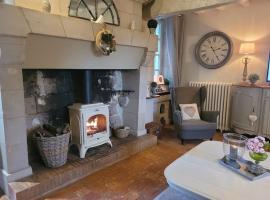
[250, 23]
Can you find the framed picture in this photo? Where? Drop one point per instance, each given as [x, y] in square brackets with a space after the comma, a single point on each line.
[159, 79]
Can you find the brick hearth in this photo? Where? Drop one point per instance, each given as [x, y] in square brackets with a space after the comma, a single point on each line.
[45, 180]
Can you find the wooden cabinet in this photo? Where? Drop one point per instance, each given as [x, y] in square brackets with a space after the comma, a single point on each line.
[248, 101]
[265, 117]
[158, 109]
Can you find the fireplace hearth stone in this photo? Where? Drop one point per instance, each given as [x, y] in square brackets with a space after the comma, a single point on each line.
[89, 126]
[46, 180]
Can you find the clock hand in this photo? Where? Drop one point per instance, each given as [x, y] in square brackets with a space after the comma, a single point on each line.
[215, 53]
[217, 57]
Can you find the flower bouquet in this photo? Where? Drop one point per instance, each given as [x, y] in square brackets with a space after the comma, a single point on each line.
[257, 151]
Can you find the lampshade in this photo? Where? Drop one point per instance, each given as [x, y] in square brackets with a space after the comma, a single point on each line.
[247, 48]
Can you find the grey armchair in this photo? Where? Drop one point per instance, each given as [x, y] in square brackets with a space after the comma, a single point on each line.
[193, 129]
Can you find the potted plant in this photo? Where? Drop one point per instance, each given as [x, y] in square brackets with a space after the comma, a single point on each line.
[257, 151]
[253, 78]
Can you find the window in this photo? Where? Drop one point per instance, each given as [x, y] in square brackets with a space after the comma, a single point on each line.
[93, 9]
[157, 54]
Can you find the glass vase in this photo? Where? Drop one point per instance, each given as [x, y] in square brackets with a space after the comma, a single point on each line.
[234, 146]
[255, 168]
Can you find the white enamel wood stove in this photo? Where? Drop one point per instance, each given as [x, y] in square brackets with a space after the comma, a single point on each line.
[89, 126]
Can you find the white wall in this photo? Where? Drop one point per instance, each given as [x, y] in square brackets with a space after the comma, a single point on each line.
[250, 23]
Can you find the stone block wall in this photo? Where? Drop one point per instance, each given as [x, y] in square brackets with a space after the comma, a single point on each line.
[13, 143]
[47, 93]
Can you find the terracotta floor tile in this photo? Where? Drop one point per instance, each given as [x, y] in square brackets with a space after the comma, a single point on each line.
[140, 177]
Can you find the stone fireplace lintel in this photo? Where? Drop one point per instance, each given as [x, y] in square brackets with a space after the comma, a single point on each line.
[23, 21]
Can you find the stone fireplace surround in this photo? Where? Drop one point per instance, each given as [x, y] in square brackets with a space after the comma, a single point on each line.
[22, 48]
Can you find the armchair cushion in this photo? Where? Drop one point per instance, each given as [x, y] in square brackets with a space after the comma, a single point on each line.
[193, 125]
[189, 111]
[209, 116]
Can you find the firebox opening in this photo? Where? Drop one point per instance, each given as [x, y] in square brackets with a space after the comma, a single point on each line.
[49, 92]
[96, 124]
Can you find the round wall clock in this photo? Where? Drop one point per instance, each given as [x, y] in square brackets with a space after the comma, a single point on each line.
[214, 50]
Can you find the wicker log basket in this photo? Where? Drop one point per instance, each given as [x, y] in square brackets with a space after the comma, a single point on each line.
[53, 150]
[122, 132]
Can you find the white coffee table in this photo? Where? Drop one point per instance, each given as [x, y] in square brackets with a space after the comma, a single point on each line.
[199, 173]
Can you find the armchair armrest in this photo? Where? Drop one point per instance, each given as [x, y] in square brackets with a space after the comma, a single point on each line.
[177, 119]
[210, 116]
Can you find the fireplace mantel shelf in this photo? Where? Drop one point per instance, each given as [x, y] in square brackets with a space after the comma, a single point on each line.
[20, 22]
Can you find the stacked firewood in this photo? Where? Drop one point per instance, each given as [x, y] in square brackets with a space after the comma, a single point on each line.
[48, 130]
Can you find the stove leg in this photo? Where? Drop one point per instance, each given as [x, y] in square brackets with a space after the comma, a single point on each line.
[82, 152]
[110, 143]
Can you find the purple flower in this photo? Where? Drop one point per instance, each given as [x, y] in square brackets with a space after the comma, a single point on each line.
[262, 150]
[256, 144]
[261, 138]
[257, 150]
[260, 144]
[255, 140]
[250, 146]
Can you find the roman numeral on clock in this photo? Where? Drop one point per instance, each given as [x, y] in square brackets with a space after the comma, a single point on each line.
[203, 55]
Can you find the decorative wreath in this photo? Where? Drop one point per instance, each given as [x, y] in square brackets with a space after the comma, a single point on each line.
[105, 42]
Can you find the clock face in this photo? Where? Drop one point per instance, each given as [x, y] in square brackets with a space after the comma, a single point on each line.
[213, 50]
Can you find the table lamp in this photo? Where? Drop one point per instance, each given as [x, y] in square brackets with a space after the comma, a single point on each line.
[246, 49]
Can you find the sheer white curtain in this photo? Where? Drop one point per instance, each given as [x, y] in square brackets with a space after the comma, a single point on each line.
[171, 36]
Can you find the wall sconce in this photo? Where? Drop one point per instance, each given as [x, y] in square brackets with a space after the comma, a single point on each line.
[152, 25]
[246, 49]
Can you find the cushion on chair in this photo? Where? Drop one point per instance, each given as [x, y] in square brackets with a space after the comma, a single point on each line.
[189, 111]
[198, 125]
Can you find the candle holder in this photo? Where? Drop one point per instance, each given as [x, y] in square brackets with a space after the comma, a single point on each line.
[234, 148]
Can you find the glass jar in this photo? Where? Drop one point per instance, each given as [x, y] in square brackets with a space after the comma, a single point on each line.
[234, 146]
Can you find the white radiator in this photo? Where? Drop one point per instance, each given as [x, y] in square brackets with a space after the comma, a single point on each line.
[218, 99]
